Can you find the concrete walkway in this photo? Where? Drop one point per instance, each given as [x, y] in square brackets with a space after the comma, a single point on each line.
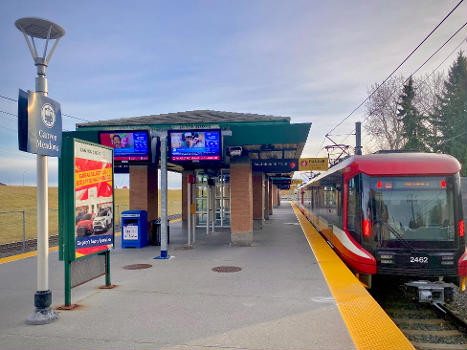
[279, 300]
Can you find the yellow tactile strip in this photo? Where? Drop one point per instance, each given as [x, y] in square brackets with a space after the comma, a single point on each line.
[22, 256]
[369, 326]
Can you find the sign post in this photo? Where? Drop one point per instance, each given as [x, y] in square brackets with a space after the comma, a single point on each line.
[43, 135]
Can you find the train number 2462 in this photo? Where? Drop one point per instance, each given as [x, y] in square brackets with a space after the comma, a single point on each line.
[419, 259]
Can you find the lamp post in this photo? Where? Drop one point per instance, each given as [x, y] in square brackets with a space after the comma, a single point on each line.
[38, 28]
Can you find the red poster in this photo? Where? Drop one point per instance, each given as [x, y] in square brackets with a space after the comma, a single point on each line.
[94, 230]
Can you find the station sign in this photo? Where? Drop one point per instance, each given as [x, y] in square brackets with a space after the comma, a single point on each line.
[308, 164]
[282, 183]
[39, 124]
[275, 165]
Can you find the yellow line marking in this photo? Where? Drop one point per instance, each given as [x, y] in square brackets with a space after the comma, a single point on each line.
[23, 256]
[369, 326]
[34, 253]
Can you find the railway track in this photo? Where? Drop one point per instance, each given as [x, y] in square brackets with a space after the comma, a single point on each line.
[427, 326]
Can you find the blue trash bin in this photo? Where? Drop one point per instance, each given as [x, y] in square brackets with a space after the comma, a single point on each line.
[134, 228]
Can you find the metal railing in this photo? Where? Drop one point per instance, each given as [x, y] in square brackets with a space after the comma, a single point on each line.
[20, 226]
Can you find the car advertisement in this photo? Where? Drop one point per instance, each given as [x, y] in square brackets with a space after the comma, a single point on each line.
[94, 222]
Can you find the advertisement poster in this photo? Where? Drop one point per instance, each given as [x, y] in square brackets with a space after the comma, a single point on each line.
[94, 230]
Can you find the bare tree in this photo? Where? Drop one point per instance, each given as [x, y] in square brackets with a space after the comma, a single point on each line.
[382, 123]
[427, 89]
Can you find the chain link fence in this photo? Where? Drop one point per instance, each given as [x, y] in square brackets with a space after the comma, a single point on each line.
[18, 228]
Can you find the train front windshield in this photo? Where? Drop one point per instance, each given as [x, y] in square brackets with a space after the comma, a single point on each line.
[410, 208]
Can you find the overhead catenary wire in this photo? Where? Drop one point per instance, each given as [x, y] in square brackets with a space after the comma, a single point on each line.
[413, 73]
[63, 114]
[434, 53]
[423, 81]
[432, 72]
[395, 70]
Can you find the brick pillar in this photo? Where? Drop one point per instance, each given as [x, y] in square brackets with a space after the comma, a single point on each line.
[258, 200]
[270, 198]
[266, 199]
[278, 197]
[274, 197]
[144, 191]
[241, 202]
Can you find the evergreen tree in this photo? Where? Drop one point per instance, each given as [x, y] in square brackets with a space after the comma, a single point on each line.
[450, 115]
[414, 130]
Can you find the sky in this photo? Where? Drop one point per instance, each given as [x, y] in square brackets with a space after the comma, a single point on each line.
[313, 61]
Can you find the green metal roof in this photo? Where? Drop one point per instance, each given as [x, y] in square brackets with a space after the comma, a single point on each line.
[263, 136]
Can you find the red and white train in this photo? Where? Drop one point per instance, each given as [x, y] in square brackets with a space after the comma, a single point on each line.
[392, 214]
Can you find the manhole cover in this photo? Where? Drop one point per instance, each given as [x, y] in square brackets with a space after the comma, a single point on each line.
[226, 269]
[184, 247]
[137, 266]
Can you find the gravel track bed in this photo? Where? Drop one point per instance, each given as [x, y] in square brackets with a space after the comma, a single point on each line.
[420, 323]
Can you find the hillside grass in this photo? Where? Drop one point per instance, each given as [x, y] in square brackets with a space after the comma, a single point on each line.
[16, 199]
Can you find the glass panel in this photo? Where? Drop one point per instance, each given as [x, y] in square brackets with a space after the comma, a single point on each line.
[218, 190]
[201, 219]
[201, 191]
[413, 208]
[201, 204]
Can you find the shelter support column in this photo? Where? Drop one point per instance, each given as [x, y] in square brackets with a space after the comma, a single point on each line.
[144, 191]
[258, 200]
[266, 198]
[241, 196]
[270, 197]
[185, 208]
[278, 196]
[275, 198]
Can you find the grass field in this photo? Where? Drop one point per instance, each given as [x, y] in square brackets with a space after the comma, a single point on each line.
[16, 199]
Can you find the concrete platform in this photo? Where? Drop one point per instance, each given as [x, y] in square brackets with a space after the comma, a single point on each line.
[279, 300]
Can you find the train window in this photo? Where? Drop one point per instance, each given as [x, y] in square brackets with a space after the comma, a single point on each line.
[412, 208]
[327, 202]
[353, 219]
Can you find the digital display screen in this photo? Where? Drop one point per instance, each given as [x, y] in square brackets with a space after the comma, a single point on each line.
[407, 183]
[127, 145]
[195, 145]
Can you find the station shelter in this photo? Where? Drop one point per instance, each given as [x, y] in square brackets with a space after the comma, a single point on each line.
[237, 190]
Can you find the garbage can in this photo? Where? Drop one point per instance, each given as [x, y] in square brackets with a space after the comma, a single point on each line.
[156, 232]
[134, 228]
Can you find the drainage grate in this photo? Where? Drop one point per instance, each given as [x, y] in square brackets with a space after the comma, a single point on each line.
[137, 266]
[226, 269]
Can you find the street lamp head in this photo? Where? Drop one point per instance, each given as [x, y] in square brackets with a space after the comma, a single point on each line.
[39, 28]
